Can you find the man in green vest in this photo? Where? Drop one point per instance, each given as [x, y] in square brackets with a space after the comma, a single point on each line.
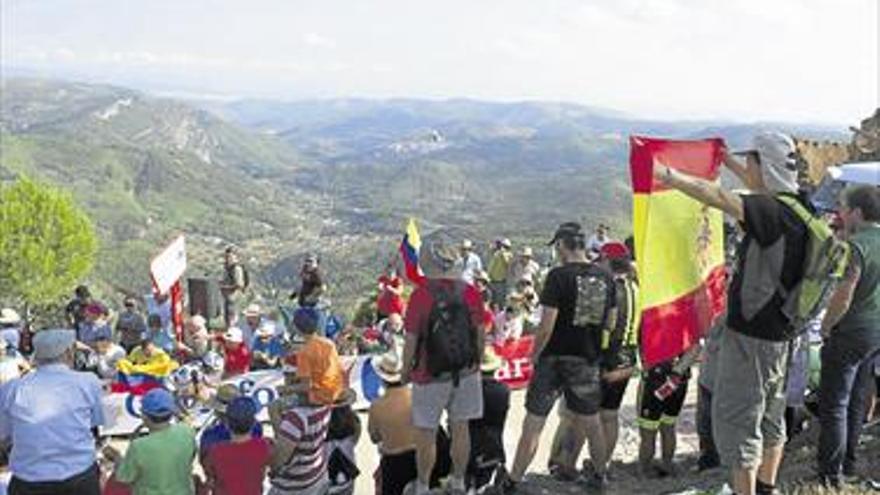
[851, 329]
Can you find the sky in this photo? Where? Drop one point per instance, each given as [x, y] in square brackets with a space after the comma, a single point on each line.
[795, 60]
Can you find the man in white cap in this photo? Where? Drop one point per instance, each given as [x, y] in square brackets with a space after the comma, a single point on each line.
[253, 319]
[470, 260]
[51, 418]
[749, 394]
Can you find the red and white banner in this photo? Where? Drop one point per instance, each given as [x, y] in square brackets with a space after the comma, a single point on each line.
[517, 355]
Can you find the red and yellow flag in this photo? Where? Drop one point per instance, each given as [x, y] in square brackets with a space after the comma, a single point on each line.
[679, 246]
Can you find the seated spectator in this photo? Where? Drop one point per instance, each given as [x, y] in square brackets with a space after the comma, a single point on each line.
[95, 325]
[12, 365]
[299, 460]
[160, 462]
[253, 320]
[343, 434]
[196, 340]
[108, 356]
[487, 433]
[238, 466]
[130, 325]
[159, 335]
[318, 364]
[10, 327]
[390, 427]
[235, 353]
[267, 349]
[218, 431]
[147, 358]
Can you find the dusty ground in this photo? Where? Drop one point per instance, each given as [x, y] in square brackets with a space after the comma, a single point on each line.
[798, 464]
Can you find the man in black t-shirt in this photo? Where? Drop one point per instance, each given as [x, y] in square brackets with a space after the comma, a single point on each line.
[748, 403]
[578, 303]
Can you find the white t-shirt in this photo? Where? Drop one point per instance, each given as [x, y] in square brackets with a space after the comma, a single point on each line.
[107, 362]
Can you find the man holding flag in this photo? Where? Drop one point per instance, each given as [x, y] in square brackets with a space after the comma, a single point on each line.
[750, 387]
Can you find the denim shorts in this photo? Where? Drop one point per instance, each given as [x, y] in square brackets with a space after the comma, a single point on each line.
[573, 377]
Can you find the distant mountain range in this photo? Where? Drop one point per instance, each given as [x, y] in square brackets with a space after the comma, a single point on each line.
[337, 177]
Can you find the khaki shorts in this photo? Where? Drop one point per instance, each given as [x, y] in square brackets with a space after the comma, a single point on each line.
[462, 403]
[748, 398]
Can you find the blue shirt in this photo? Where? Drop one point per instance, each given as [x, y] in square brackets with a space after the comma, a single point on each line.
[274, 347]
[49, 415]
[89, 332]
[219, 433]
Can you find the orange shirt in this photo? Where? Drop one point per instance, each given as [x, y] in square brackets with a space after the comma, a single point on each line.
[319, 362]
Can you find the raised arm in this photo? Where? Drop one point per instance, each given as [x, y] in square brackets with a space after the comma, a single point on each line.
[704, 191]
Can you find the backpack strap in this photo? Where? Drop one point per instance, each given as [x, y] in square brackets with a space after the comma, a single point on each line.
[805, 216]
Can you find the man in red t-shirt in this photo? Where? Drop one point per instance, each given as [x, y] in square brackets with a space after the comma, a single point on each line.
[390, 299]
[239, 466]
[434, 394]
[237, 356]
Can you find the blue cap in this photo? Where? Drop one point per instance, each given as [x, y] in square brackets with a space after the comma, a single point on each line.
[158, 403]
[306, 319]
[241, 415]
[241, 409]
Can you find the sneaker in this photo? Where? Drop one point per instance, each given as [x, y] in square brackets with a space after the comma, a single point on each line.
[565, 474]
[504, 484]
[597, 483]
[707, 462]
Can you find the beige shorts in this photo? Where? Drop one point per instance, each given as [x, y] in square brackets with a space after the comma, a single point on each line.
[462, 403]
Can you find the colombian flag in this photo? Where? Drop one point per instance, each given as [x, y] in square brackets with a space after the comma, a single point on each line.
[139, 379]
[409, 251]
[679, 247]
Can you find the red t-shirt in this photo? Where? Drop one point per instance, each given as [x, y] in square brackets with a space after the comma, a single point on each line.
[419, 310]
[388, 301]
[239, 468]
[238, 361]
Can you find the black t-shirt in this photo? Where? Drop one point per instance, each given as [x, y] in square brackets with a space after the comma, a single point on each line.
[566, 290]
[771, 253]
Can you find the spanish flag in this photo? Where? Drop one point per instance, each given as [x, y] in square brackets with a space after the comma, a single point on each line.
[409, 251]
[679, 244]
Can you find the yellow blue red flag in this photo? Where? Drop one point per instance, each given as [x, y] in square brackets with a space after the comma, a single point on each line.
[409, 251]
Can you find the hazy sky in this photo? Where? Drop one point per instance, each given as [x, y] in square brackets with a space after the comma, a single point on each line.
[802, 60]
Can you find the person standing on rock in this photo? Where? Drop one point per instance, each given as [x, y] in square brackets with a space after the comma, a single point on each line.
[579, 303]
[233, 285]
[748, 404]
[444, 342]
[851, 329]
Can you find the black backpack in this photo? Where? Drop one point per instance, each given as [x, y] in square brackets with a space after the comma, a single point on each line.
[451, 339]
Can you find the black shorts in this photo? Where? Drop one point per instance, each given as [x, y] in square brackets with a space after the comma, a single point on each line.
[612, 394]
[574, 377]
[654, 412]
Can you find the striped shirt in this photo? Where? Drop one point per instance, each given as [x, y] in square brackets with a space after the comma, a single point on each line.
[306, 427]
